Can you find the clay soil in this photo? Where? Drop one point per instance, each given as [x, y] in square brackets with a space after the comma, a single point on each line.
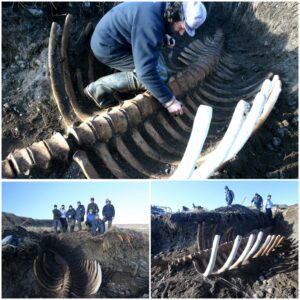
[29, 113]
[273, 276]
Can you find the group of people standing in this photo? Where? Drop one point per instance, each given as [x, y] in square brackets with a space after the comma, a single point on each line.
[66, 220]
[257, 201]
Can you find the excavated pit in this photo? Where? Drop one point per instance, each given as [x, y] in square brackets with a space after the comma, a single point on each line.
[175, 237]
[230, 64]
[73, 265]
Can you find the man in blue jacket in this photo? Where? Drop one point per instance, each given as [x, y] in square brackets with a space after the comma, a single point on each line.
[229, 195]
[80, 212]
[129, 38]
[108, 212]
[71, 215]
[257, 201]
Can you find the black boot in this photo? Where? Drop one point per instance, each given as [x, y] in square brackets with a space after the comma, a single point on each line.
[102, 90]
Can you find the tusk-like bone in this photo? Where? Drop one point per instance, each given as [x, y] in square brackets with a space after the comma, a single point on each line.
[250, 122]
[216, 158]
[260, 251]
[213, 256]
[232, 255]
[276, 90]
[245, 252]
[255, 246]
[195, 144]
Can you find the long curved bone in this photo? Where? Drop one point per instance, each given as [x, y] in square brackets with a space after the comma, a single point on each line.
[195, 144]
[213, 256]
[223, 257]
[233, 142]
[63, 279]
[217, 156]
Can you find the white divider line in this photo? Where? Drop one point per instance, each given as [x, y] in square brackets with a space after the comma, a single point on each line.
[199, 133]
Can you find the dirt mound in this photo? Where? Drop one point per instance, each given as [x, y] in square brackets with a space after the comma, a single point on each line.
[179, 230]
[9, 220]
[121, 253]
[271, 276]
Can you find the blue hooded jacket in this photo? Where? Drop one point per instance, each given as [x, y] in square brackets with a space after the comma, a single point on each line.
[138, 28]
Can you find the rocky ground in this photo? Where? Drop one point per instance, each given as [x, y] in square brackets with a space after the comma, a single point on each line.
[123, 254]
[270, 44]
[272, 276]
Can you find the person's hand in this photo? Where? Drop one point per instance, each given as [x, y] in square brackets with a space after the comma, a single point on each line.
[169, 41]
[174, 107]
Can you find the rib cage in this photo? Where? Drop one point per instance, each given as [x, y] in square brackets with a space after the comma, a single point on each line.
[135, 139]
[213, 257]
[61, 279]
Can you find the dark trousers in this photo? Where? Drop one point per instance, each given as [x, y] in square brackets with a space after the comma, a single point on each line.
[125, 63]
[269, 213]
[98, 225]
[64, 224]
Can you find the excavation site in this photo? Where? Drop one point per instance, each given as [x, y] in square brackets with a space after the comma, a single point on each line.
[37, 263]
[229, 252]
[237, 80]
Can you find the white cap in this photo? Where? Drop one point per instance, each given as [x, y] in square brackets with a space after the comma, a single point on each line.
[194, 16]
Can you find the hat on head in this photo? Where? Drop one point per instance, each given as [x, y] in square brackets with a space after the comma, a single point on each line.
[194, 16]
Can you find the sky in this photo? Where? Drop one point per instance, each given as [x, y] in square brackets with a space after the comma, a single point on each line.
[210, 194]
[36, 199]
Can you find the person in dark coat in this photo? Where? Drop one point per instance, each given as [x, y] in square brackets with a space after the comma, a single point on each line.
[71, 216]
[93, 206]
[108, 212]
[56, 218]
[257, 201]
[130, 37]
[80, 212]
[63, 218]
[229, 195]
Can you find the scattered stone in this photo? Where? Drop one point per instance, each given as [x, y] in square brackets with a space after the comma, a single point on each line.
[282, 132]
[6, 105]
[261, 278]
[276, 141]
[270, 147]
[266, 43]
[161, 286]
[270, 290]
[260, 294]
[292, 102]
[285, 123]
[295, 120]
[36, 12]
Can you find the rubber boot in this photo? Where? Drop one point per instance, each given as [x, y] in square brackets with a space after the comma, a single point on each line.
[102, 90]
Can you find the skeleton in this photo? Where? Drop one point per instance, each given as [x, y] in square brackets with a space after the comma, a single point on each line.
[136, 138]
[61, 279]
[213, 257]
